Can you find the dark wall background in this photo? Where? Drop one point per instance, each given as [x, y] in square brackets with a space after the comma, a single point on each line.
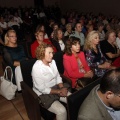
[108, 7]
[16, 3]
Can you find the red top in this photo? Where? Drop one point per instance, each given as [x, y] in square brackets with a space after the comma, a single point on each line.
[36, 44]
[71, 68]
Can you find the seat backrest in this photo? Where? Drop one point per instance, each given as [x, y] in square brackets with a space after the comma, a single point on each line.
[31, 102]
[76, 99]
[58, 57]
[26, 68]
[29, 96]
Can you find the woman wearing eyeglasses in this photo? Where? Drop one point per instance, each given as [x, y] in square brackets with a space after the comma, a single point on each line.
[13, 54]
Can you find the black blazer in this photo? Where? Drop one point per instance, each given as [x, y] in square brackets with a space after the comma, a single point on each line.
[57, 45]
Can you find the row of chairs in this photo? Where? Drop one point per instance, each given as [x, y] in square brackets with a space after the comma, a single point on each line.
[34, 110]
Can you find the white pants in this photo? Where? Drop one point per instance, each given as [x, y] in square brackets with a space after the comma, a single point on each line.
[18, 77]
[59, 109]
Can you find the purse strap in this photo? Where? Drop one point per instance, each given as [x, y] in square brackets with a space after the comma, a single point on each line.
[6, 73]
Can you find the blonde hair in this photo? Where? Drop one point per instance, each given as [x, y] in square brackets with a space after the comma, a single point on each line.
[67, 26]
[89, 38]
[7, 35]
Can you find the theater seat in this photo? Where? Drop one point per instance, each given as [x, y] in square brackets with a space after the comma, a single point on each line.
[75, 100]
[34, 110]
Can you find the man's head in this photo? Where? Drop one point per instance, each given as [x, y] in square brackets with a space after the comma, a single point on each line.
[110, 88]
[78, 27]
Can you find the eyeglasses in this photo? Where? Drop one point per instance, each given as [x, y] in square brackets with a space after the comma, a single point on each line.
[12, 36]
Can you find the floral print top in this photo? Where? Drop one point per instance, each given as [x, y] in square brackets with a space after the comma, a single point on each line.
[94, 59]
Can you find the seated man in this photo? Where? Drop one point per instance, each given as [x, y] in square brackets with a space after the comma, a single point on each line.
[103, 102]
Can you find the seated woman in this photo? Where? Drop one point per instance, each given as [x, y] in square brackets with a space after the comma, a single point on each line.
[109, 48]
[41, 27]
[75, 65]
[101, 31]
[68, 31]
[47, 81]
[40, 39]
[118, 39]
[58, 40]
[55, 27]
[13, 54]
[94, 56]
[89, 28]
[1, 41]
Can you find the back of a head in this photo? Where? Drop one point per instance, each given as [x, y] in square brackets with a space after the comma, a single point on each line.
[111, 81]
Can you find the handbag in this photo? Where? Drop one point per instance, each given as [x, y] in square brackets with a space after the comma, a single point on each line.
[46, 100]
[7, 88]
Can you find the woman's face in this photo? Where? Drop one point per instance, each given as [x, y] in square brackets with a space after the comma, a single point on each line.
[42, 28]
[108, 27]
[75, 48]
[55, 27]
[90, 28]
[69, 27]
[40, 36]
[100, 28]
[119, 35]
[48, 55]
[63, 21]
[12, 38]
[1, 19]
[112, 37]
[95, 40]
[59, 34]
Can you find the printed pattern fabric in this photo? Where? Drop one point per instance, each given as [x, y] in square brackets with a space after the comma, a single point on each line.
[94, 59]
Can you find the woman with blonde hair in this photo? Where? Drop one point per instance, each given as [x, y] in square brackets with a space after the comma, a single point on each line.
[13, 54]
[94, 56]
[68, 31]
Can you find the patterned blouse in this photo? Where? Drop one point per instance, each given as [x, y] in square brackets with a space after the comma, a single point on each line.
[94, 59]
